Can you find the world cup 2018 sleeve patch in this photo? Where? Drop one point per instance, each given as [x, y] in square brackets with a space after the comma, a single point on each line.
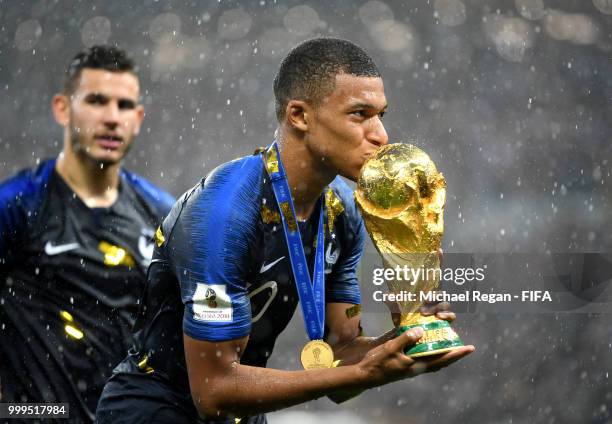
[211, 303]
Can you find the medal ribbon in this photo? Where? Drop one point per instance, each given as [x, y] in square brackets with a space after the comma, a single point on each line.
[310, 292]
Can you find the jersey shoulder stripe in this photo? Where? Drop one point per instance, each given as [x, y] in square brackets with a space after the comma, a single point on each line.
[228, 195]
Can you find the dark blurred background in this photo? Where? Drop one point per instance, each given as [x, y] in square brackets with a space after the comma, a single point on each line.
[511, 98]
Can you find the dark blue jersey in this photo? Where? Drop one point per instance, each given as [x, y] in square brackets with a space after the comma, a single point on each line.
[221, 271]
[70, 280]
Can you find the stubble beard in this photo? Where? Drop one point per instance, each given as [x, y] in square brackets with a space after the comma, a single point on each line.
[80, 149]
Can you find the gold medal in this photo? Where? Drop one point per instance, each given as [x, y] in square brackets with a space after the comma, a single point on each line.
[317, 354]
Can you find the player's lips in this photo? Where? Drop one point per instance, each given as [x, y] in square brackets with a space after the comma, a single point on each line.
[367, 156]
[109, 141]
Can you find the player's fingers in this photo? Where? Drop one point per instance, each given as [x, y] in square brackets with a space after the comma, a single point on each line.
[408, 338]
[446, 316]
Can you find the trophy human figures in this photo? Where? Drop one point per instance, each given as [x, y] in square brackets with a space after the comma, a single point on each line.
[401, 196]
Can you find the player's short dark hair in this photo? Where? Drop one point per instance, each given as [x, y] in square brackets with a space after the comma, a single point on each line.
[309, 71]
[108, 58]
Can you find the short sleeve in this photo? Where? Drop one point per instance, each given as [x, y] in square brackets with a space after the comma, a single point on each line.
[20, 199]
[212, 238]
[11, 224]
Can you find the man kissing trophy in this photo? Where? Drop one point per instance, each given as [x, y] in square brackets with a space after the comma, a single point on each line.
[401, 196]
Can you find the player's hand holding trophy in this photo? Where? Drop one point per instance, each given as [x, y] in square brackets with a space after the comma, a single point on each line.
[401, 196]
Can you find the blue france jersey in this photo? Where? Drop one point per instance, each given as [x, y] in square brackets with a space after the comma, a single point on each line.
[221, 270]
[229, 254]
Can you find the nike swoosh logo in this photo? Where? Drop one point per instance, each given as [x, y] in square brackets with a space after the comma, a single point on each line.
[273, 290]
[265, 267]
[145, 248]
[51, 250]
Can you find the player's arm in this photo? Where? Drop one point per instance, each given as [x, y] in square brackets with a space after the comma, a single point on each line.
[343, 322]
[221, 386]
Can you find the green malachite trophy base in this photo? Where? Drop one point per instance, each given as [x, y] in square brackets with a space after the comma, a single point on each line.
[438, 337]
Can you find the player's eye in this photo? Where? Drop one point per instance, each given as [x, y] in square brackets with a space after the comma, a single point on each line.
[126, 104]
[96, 99]
[381, 114]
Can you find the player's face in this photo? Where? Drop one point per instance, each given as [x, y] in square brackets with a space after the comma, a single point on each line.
[104, 114]
[347, 127]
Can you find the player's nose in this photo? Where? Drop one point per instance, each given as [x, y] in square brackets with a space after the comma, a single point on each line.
[377, 133]
[111, 115]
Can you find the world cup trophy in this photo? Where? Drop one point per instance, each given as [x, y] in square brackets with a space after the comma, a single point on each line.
[401, 196]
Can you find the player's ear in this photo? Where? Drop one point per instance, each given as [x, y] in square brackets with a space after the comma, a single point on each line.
[297, 114]
[140, 113]
[60, 104]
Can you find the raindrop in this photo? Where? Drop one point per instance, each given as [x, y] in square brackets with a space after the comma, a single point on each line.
[165, 27]
[597, 174]
[302, 20]
[82, 385]
[28, 34]
[393, 36]
[234, 24]
[511, 36]
[450, 12]
[530, 9]
[375, 11]
[95, 31]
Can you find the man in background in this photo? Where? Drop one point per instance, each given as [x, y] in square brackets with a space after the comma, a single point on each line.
[76, 238]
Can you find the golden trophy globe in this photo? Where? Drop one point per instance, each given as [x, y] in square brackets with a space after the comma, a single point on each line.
[401, 196]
